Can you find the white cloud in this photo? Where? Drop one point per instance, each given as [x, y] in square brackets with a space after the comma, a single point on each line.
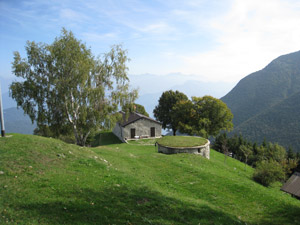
[249, 36]
[216, 39]
[95, 37]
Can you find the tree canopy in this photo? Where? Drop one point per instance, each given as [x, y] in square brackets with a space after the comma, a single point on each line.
[204, 116]
[67, 89]
[164, 111]
[134, 107]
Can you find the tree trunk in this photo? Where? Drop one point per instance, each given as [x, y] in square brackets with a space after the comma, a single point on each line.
[174, 132]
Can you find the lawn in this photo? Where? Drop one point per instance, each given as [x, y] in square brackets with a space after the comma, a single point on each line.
[181, 141]
[46, 181]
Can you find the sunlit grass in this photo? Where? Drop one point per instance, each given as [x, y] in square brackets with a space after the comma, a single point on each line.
[46, 181]
[181, 141]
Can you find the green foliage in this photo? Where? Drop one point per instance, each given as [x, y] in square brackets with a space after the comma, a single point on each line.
[164, 111]
[275, 152]
[254, 155]
[181, 141]
[182, 114]
[290, 153]
[134, 107]
[105, 138]
[66, 89]
[205, 116]
[289, 165]
[247, 151]
[268, 172]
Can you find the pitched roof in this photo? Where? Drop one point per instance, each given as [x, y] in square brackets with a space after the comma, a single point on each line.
[134, 116]
[292, 186]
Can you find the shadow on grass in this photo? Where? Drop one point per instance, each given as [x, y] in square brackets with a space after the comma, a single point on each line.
[105, 138]
[285, 214]
[123, 205]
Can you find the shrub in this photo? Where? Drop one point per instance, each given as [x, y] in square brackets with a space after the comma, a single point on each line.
[268, 172]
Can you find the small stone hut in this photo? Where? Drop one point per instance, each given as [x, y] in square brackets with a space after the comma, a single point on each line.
[137, 126]
[292, 186]
[203, 150]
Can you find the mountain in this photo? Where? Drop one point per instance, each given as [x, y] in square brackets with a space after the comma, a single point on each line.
[16, 122]
[7, 101]
[152, 86]
[279, 123]
[266, 103]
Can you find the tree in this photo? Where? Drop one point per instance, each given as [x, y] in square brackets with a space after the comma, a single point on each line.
[135, 108]
[182, 112]
[290, 153]
[219, 141]
[275, 152]
[225, 149]
[268, 172]
[67, 89]
[247, 151]
[164, 111]
[209, 117]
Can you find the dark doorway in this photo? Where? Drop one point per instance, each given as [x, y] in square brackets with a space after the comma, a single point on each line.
[132, 132]
[152, 131]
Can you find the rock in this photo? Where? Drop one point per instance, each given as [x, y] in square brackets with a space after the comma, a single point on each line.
[61, 155]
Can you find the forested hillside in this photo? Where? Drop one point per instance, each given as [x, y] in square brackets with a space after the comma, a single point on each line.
[258, 102]
[280, 123]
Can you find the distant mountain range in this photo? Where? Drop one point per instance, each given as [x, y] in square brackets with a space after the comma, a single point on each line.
[150, 89]
[266, 104]
[16, 122]
[152, 86]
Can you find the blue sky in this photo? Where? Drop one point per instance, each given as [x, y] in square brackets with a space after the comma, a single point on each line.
[214, 40]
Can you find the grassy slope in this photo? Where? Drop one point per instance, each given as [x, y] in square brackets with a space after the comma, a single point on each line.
[46, 181]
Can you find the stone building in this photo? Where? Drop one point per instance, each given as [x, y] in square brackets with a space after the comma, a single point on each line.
[137, 126]
[292, 186]
[203, 150]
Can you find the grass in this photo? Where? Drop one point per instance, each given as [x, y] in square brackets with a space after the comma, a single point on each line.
[46, 181]
[181, 141]
[105, 138]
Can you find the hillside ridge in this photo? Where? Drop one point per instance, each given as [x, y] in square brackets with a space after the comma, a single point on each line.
[260, 93]
[46, 181]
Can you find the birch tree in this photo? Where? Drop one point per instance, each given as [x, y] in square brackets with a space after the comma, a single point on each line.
[66, 89]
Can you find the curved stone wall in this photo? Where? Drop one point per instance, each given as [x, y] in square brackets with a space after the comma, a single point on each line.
[203, 150]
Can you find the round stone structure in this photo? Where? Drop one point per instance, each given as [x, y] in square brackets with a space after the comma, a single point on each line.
[203, 150]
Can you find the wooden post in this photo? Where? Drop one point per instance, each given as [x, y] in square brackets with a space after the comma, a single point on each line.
[1, 116]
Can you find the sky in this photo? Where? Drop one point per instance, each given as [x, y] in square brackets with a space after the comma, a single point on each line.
[211, 40]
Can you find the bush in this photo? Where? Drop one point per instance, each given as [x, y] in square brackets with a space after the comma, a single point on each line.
[268, 172]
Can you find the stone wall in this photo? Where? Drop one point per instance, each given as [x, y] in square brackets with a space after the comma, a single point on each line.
[118, 131]
[142, 128]
[203, 150]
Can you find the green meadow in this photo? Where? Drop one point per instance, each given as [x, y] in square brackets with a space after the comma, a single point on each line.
[47, 181]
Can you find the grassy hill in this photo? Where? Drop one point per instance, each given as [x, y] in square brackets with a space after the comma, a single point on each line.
[46, 181]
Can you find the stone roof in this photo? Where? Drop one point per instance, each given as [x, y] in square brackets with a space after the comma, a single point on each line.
[292, 186]
[134, 116]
